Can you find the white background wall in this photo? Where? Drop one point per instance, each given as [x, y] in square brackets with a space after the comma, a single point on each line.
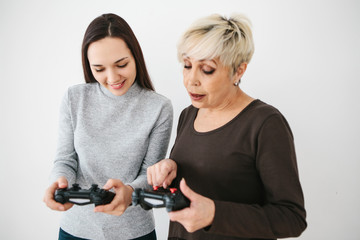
[306, 63]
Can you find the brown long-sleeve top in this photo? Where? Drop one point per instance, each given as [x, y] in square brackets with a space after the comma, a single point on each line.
[248, 167]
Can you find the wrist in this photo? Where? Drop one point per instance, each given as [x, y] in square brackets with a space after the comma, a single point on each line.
[211, 213]
[130, 190]
[129, 187]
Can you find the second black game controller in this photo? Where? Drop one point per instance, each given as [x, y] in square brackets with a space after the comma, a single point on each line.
[77, 195]
[159, 197]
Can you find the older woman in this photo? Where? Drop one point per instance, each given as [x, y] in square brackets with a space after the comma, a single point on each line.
[235, 152]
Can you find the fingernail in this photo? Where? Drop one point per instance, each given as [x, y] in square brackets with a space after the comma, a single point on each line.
[106, 186]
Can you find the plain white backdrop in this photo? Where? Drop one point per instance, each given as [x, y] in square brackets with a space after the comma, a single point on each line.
[306, 63]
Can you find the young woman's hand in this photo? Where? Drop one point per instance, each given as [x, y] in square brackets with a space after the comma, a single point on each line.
[200, 214]
[162, 173]
[121, 201]
[49, 195]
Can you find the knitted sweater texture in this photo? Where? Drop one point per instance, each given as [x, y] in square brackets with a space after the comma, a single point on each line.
[103, 136]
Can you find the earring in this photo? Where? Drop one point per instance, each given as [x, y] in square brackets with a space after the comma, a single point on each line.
[237, 83]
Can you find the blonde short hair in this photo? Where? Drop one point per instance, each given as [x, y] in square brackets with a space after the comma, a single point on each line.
[215, 36]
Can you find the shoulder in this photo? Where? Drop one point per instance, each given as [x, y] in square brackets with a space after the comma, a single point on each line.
[265, 115]
[261, 111]
[81, 90]
[82, 87]
[154, 96]
[188, 111]
[263, 108]
[156, 99]
[187, 114]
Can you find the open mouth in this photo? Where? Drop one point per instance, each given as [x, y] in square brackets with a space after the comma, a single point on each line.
[117, 85]
[196, 97]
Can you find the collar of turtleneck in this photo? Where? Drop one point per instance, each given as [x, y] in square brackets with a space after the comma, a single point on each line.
[133, 91]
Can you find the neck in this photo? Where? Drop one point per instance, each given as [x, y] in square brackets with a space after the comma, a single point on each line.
[229, 104]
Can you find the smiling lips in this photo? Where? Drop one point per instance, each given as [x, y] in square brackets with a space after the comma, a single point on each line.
[196, 97]
[118, 85]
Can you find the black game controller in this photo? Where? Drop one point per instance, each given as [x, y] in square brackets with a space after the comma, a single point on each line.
[159, 197]
[93, 195]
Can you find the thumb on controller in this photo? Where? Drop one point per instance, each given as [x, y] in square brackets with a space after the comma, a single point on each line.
[187, 191]
[62, 182]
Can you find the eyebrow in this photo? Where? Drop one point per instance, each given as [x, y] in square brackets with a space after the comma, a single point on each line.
[201, 60]
[99, 65]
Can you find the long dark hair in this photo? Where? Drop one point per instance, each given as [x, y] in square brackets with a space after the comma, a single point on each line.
[111, 25]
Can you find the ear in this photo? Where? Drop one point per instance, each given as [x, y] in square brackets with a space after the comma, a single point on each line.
[240, 71]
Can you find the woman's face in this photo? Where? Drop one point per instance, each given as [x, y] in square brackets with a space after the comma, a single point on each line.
[208, 83]
[112, 64]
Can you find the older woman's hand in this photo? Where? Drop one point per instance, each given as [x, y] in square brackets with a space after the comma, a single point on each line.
[121, 201]
[162, 173]
[200, 214]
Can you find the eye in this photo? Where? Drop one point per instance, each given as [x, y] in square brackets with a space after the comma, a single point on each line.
[208, 70]
[122, 66]
[99, 70]
[187, 64]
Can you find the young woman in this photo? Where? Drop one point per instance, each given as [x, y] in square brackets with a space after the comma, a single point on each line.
[112, 127]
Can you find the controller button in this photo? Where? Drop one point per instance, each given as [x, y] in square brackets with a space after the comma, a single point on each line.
[173, 190]
[155, 188]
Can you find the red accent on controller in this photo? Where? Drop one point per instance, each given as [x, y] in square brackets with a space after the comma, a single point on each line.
[173, 190]
[155, 188]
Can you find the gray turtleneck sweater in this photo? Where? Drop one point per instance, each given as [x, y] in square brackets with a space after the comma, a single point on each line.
[103, 136]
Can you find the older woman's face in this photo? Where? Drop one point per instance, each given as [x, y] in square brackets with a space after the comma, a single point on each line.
[208, 82]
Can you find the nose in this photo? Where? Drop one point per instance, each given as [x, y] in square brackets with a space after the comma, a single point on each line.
[191, 78]
[112, 77]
